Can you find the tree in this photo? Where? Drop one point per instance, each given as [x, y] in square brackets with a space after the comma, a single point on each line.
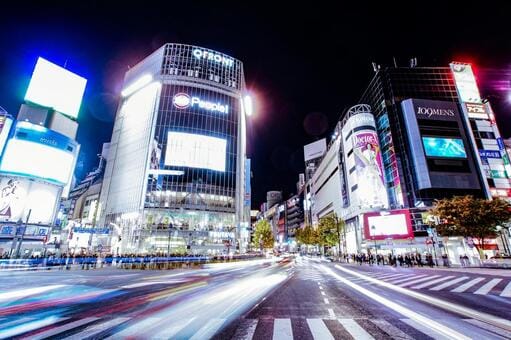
[330, 231]
[263, 235]
[307, 235]
[471, 217]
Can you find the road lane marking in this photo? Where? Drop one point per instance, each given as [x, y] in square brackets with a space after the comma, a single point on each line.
[392, 330]
[208, 330]
[355, 330]
[60, 329]
[402, 277]
[408, 313]
[425, 329]
[448, 284]
[245, 330]
[282, 329]
[506, 292]
[331, 313]
[321, 288]
[90, 332]
[319, 330]
[388, 276]
[175, 328]
[467, 285]
[326, 301]
[488, 327]
[409, 283]
[430, 283]
[135, 329]
[468, 312]
[323, 293]
[407, 279]
[485, 289]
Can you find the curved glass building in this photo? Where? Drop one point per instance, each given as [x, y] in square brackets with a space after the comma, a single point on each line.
[175, 179]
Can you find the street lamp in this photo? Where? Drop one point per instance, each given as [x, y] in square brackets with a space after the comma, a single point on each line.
[374, 238]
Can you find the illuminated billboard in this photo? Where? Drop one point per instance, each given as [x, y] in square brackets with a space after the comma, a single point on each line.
[369, 169]
[195, 151]
[444, 147]
[314, 150]
[395, 224]
[19, 196]
[38, 152]
[55, 87]
[466, 83]
[5, 128]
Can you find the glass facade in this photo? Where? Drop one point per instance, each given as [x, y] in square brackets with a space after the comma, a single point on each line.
[192, 156]
[388, 88]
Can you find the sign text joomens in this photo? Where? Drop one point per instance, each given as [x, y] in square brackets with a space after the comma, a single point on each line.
[429, 112]
[212, 56]
[183, 100]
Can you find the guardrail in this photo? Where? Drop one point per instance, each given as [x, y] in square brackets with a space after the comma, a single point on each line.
[124, 262]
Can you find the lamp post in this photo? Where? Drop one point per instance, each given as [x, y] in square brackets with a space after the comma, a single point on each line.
[373, 228]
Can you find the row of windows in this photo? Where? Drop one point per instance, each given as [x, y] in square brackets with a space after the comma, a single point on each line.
[201, 121]
[190, 61]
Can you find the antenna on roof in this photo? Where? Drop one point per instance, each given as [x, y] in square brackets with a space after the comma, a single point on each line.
[395, 62]
[375, 67]
[413, 62]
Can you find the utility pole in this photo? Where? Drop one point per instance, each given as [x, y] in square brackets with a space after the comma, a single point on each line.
[18, 248]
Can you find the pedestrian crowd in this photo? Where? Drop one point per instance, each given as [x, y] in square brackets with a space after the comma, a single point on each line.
[408, 260]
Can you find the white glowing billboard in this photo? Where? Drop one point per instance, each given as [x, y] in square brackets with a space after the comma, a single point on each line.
[55, 87]
[27, 158]
[19, 196]
[466, 83]
[195, 151]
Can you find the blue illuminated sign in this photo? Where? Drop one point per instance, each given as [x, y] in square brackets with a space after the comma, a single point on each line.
[41, 135]
[500, 142]
[489, 154]
[91, 230]
[444, 147]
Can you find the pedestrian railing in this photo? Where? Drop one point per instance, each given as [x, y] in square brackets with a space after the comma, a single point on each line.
[122, 262]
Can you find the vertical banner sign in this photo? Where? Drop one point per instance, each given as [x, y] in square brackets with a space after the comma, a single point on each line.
[369, 168]
[248, 193]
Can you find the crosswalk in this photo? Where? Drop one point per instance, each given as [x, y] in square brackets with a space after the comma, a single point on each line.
[462, 284]
[248, 329]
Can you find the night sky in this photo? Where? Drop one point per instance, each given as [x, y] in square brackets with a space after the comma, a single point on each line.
[304, 63]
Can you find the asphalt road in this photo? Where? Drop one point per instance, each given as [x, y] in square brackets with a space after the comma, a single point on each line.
[305, 298]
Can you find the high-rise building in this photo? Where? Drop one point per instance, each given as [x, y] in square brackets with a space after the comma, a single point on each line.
[412, 139]
[175, 176]
[38, 157]
[491, 152]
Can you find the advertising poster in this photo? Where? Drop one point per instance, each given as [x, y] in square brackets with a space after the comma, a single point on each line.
[20, 196]
[369, 168]
[394, 224]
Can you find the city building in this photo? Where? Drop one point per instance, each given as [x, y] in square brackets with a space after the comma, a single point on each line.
[38, 157]
[410, 141]
[80, 233]
[175, 179]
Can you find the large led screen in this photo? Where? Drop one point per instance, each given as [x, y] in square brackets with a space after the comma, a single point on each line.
[27, 158]
[444, 147]
[395, 224]
[195, 151]
[55, 87]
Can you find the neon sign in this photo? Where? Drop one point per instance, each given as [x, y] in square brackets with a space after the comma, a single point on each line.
[212, 56]
[183, 100]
